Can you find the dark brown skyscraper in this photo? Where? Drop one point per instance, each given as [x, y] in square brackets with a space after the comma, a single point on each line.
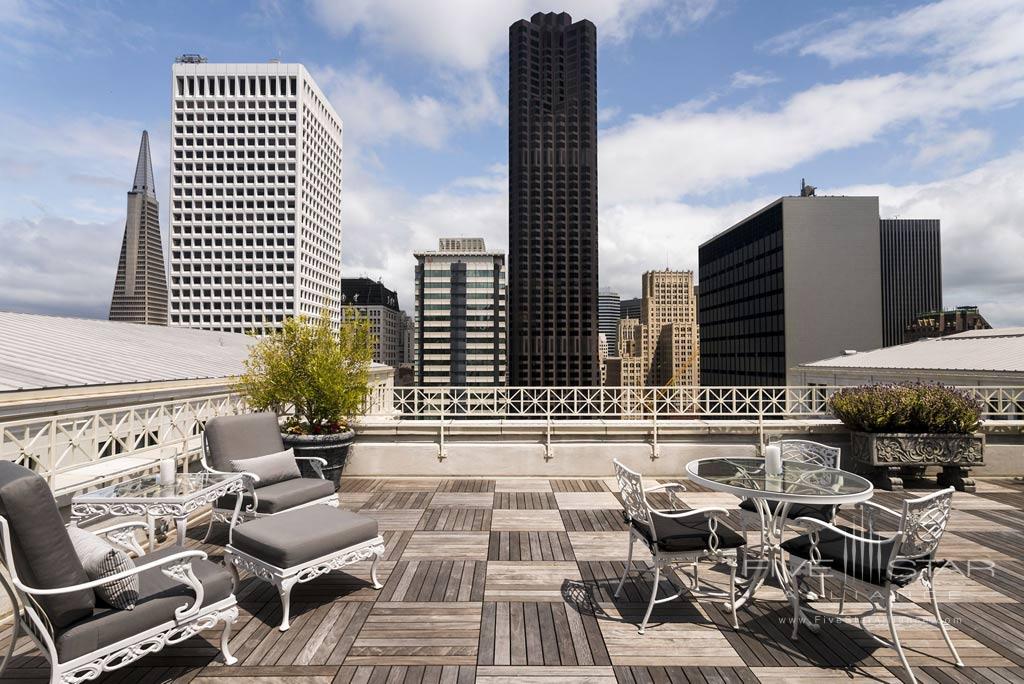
[552, 150]
[140, 288]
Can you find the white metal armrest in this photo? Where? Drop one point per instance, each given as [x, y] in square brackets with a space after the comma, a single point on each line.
[670, 488]
[710, 511]
[822, 525]
[321, 461]
[123, 534]
[880, 507]
[316, 463]
[137, 524]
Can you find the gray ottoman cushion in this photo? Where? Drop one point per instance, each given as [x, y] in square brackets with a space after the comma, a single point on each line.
[296, 537]
[282, 495]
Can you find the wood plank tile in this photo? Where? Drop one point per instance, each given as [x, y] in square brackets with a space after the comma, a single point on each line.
[587, 501]
[418, 634]
[588, 546]
[503, 520]
[447, 546]
[522, 485]
[679, 634]
[528, 581]
[462, 500]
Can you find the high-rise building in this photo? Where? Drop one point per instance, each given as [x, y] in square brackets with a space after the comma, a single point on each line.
[553, 324]
[460, 314]
[140, 286]
[911, 274]
[630, 308]
[255, 196]
[943, 323]
[380, 306]
[608, 318]
[798, 281]
[662, 347]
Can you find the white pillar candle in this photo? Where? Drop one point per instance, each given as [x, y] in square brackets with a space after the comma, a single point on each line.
[773, 460]
[168, 471]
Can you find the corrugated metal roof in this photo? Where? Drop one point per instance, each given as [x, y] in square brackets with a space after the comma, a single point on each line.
[40, 352]
[998, 350]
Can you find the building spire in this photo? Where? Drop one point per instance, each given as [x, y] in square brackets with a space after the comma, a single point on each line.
[144, 169]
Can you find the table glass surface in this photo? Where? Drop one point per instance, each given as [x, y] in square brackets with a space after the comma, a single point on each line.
[147, 487]
[797, 478]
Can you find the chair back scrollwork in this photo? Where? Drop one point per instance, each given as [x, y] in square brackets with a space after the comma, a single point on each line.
[634, 500]
[809, 452]
[923, 524]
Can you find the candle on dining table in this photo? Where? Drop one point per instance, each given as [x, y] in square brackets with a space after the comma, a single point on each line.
[168, 471]
[773, 460]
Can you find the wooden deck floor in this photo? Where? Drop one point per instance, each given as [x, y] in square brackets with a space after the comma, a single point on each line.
[511, 580]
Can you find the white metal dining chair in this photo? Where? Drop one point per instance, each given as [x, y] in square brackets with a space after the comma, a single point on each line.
[884, 565]
[675, 537]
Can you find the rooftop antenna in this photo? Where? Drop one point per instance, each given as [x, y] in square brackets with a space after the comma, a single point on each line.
[805, 189]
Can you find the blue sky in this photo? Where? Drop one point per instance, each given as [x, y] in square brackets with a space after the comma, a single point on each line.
[709, 109]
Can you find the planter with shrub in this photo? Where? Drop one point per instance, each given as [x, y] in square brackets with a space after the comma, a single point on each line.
[899, 430]
[316, 378]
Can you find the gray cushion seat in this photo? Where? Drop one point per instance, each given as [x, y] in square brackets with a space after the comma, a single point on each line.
[296, 537]
[159, 597]
[281, 496]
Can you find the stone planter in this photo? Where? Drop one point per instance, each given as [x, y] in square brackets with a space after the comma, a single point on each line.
[886, 458]
[331, 448]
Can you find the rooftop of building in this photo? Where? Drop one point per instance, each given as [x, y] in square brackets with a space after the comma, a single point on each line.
[459, 246]
[997, 349]
[367, 292]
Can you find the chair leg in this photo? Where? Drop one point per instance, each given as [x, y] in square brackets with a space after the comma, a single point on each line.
[209, 527]
[629, 566]
[654, 595]
[285, 592]
[732, 593]
[938, 617]
[696, 577]
[842, 595]
[794, 600]
[225, 637]
[896, 637]
[373, 571]
[15, 625]
[746, 541]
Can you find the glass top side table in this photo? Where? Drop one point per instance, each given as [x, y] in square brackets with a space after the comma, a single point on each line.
[145, 496]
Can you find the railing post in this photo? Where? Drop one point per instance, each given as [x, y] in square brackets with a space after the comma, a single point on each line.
[442, 450]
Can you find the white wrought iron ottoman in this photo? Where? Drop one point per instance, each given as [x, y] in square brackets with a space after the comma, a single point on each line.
[300, 545]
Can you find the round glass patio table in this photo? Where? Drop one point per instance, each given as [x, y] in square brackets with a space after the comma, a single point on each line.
[799, 483]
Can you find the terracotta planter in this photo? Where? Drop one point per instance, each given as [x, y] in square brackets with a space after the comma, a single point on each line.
[887, 457]
[332, 448]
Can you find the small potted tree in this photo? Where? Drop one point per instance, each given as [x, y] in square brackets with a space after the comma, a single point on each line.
[316, 379]
[899, 430]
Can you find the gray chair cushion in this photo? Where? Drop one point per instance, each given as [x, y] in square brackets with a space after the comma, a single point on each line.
[231, 438]
[283, 495]
[295, 537]
[100, 559]
[44, 556]
[159, 596]
[271, 469]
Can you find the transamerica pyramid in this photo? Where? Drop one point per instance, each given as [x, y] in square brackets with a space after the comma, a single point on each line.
[140, 288]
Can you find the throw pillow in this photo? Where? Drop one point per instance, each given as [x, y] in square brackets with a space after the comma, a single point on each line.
[100, 560]
[271, 468]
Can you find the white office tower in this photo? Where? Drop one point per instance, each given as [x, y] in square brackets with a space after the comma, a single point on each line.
[255, 205]
[460, 314]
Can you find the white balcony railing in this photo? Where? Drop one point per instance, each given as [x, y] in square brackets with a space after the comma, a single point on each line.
[79, 450]
[650, 403]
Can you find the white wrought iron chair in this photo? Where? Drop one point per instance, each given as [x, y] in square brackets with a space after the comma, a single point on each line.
[180, 592]
[248, 435]
[675, 537]
[883, 565]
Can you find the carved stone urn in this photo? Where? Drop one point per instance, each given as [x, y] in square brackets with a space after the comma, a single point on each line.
[886, 458]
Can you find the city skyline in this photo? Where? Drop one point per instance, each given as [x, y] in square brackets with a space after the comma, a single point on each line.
[420, 171]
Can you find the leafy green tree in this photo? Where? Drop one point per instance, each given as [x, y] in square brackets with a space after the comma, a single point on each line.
[307, 369]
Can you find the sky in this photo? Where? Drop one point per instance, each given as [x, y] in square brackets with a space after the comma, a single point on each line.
[708, 110]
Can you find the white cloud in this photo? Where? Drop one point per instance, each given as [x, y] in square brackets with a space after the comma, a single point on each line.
[972, 32]
[953, 147]
[55, 265]
[747, 79]
[982, 215]
[470, 34]
[679, 151]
